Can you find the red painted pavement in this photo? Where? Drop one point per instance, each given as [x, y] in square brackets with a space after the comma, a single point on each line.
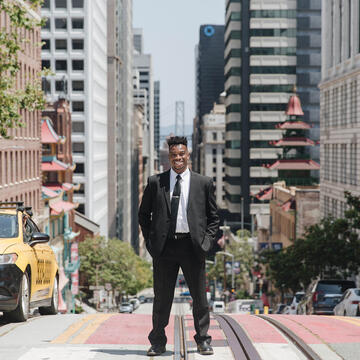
[326, 329]
[259, 330]
[128, 329]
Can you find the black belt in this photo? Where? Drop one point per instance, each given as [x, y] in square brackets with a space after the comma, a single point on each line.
[181, 235]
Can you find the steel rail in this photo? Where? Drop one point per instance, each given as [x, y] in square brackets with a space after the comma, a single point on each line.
[239, 342]
[299, 343]
[180, 346]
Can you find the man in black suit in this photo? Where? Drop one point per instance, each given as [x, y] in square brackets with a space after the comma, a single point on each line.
[179, 221]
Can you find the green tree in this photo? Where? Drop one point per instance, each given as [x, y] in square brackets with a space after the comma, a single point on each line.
[114, 262]
[11, 44]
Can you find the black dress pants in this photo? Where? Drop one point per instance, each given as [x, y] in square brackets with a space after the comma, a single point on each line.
[178, 253]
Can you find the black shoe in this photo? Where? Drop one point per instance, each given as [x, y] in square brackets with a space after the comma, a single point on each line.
[156, 350]
[204, 348]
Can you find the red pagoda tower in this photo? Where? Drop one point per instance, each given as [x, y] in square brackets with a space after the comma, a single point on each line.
[294, 164]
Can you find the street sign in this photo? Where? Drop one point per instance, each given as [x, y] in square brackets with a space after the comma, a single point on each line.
[93, 287]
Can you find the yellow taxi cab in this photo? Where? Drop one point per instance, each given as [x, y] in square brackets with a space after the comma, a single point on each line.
[29, 276]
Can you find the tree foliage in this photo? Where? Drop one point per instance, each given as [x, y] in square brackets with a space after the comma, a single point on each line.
[115, 262]
[12, 42]
[329, 249]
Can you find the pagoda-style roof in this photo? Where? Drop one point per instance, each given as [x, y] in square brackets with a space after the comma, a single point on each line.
[48, 134]
[294, 106]
[293, 141]
[265, 194]
[60, 187]
[54, 165]
[290, 125]
[48, 193]
[61, 206]
[294, 164]
[289, 205]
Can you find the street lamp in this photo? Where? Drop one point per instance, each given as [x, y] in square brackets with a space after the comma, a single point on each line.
[232, 265]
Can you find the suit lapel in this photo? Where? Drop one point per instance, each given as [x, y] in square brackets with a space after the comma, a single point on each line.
[165, 185]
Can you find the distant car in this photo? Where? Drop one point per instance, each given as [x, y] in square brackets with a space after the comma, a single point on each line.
[29, 275]
[126, 307]
[141, 299]
[291, 309]
[135, 303]
[349, 303]
[322, 296]
[185, 293]
[218, 307]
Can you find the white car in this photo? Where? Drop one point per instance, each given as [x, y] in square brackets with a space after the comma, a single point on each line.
[349, 303]
[291, 309]
[218, 307]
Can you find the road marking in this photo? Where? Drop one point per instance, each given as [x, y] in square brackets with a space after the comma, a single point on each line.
[72, 329]
[348, 319]
[57, 353]
[90, 329]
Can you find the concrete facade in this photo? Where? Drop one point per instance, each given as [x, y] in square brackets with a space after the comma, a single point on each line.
[75, 37]
[339, 92]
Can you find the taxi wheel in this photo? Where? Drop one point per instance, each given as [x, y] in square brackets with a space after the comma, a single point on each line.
[53, 308]
[21, 313]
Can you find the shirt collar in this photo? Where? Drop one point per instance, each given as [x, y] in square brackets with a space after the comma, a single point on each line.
[173, 173]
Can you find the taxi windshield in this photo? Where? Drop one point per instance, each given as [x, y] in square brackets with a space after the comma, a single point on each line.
[8, 226]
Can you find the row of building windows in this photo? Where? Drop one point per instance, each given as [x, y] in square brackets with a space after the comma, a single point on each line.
[30, 129]
[61, 86]
[20, 166]
[337, 109]
[233, 53]
[272, 88]
[334, 208]
[289, 51]
[234, 16]
[62, 24]
[233, 108]
[233, 35]
[62, 44]
[290, 14]
[214, 151]
[62, 65]
[274, 32]
[336, 163]
[235, 71]
[62, 4]
[30, 198]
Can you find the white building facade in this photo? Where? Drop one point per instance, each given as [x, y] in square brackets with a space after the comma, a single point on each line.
[339, 91]
[75, 37]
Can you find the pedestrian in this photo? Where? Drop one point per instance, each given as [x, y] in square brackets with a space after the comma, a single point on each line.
[179, 221]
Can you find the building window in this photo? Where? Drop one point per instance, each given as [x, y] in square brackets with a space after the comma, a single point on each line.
[343, 163]
[81, 189]
[61, 65]
[353, 101]
[78, 127]
[46, 25]
[45, 64]
[45, 85]
[61, 44]
[81, 209]
[61, 86]
[80, 168]
[78, 85]
[334, 165]
[326, 206]
[78, 44]
[46, 44]
[334, 208]
[342, 209]
[214, 151]
[60, 4]
[78, 148]
[335, 102]
[353, 161]
[214, 179]
[77, 4]
[326, 162]
[214, 160]
[343, 103]
[214, 169]
[326, 108]
[78, 65]
[223, 151]
[77, 23]
[214, 135]
[78, 106]
[61, 24]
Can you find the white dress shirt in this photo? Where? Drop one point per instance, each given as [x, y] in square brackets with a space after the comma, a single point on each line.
[181, 222]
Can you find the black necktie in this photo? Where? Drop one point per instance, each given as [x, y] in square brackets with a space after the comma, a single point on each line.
[175, 204]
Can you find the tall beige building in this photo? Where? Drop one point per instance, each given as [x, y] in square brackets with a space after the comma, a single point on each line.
[20, 156]
[339, 89]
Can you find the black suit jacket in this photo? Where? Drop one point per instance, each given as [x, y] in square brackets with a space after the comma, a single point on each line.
[154, 212]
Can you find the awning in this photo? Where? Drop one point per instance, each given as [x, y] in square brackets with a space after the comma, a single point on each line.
[294, 165]
[48, 193]
[293, 141]
[62, 206]
[289, 205]
[60, 187]
[55, 165]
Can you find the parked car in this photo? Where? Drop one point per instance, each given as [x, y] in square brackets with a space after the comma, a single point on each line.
[135, 303]
[142, 299]
[322, 295]
[349, 303]
[29, 274]
[126, 307]
[291, 308]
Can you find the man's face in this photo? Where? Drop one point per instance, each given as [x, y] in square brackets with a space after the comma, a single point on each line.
[179, 157]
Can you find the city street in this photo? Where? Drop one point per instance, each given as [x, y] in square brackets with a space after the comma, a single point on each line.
[124, 336]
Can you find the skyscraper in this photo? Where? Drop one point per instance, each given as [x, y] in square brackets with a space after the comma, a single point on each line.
[209, 70]
[157, 121]
[280, 47]
[75, 37]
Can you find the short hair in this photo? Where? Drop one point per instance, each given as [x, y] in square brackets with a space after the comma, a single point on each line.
[177, 140]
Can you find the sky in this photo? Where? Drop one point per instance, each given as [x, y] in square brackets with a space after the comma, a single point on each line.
[170, 32]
